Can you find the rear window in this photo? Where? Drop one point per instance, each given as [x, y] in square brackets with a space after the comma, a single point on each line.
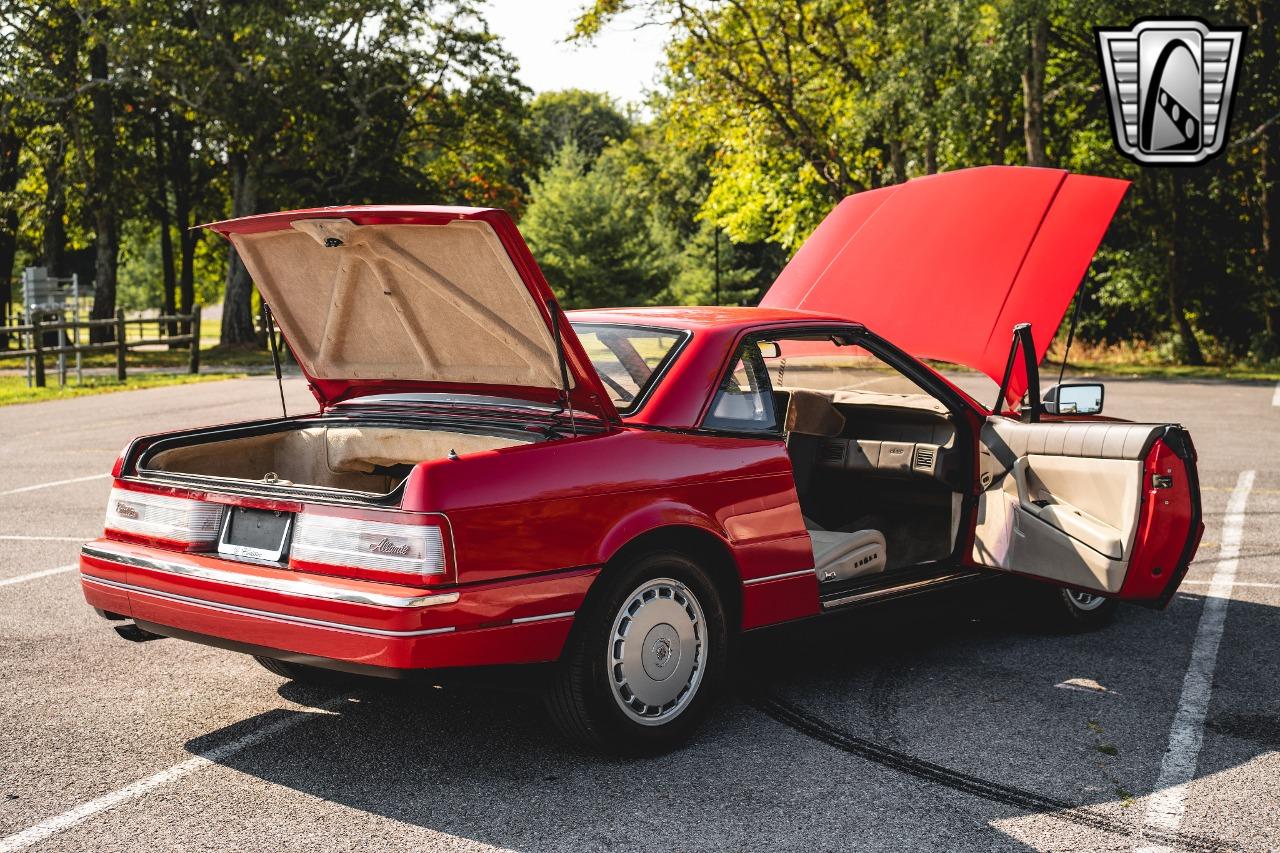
[629, 359]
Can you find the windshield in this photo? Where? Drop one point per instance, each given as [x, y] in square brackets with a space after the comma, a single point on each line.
[629, 359]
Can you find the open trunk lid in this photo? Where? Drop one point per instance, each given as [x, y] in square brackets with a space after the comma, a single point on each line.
[380, 299]
[945, 266]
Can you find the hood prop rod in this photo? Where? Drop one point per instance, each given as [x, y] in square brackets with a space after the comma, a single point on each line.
[275, 354]
[565, 402]
[1071, 330]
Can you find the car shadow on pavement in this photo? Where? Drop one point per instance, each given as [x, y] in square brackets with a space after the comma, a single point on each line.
[915, 723]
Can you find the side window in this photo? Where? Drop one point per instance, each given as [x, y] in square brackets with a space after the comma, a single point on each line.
[744, 400]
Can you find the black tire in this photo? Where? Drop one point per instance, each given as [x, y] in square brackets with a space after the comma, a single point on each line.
[583, 700]
[304, 674]
[1076, 611]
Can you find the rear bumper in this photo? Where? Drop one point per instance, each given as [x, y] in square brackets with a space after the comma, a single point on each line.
[294, 616]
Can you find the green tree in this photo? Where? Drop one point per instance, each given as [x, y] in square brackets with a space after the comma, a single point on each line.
[589, 120]
[799, 104]
[591, 235]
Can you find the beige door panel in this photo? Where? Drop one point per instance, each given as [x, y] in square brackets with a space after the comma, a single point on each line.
[1093, 500]
[1008, 537]
[1061, 500]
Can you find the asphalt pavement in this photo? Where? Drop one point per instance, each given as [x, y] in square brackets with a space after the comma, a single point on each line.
[948, 723]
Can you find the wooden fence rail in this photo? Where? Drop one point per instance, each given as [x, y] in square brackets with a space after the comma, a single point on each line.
[38, 352]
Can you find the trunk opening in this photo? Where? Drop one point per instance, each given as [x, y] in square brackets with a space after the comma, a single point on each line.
[369, 458]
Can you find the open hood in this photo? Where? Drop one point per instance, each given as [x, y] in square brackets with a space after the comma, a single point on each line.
[397, 299]
[945, 266]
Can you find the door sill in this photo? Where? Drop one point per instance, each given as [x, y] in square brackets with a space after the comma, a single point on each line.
[907, 586]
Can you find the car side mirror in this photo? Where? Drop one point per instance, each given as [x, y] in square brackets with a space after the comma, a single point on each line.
[1074, 398]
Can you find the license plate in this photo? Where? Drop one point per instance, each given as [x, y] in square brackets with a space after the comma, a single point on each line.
[258, 534]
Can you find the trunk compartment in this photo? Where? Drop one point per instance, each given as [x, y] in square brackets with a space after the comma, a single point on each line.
[369, 458]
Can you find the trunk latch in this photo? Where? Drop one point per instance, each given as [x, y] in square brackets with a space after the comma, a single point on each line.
[1162, 481]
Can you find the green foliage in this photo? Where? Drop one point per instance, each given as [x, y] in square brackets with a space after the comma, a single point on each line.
[588, 120]
[771, 111]
[219, 108]
[795, 104]
[591, 233]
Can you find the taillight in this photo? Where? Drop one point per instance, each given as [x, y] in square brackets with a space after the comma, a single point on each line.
[332, 543]
[191, 524]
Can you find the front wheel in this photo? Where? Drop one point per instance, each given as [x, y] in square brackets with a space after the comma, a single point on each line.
[1076, 610]
[645, 660]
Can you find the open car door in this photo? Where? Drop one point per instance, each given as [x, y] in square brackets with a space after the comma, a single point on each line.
[1105, 506]
[1112, 508]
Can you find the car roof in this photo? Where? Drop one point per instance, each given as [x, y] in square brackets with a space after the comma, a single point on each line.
[729, 318]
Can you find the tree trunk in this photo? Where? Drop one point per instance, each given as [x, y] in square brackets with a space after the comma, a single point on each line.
[53, 237]
[1033, 87]
[1271, 231]
[106, 223]
[898, 161]
[1269, 178]
[237, 303]
[1190, 347]
[10, 146]
[180, 154]
[167, 282]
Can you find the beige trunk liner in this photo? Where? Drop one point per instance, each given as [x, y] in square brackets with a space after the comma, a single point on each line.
[332, 457]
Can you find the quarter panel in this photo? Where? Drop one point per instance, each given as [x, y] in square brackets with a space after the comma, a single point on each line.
[575, 503]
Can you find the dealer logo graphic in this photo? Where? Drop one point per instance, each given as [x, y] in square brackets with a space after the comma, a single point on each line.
[1170, 84]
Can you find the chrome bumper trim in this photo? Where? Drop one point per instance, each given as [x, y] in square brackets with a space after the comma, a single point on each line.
[289, 586]
[544, 617]
[782, 576]
[261, 614]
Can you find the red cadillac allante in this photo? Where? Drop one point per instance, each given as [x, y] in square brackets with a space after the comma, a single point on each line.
[489, 480]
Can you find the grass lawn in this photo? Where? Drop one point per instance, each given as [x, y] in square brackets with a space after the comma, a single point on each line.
[209, 357]
[13, 389]
[1164, 371]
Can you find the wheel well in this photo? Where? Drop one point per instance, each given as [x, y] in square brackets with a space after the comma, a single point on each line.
[708, 550]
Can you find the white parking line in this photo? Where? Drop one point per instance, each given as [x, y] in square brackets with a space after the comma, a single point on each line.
[43, 573]
[55, 483]
[1238, 583]
[1275, 400]
[59, 823]
[1169, 801]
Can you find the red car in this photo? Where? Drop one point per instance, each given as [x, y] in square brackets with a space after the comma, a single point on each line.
[623, 492]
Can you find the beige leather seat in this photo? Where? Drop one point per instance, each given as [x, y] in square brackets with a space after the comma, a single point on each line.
[839, 556]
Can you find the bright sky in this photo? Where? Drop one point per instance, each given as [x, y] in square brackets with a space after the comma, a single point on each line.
[623, 60]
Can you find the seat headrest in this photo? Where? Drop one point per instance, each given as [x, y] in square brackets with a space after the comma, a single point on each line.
[811, 413]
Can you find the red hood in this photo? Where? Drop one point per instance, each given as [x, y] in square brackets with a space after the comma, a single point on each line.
[387, 299]
[946, 265]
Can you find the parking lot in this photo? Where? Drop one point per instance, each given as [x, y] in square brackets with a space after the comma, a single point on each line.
[943, 724]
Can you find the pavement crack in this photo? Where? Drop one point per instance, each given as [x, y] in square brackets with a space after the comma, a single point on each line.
[807, 724]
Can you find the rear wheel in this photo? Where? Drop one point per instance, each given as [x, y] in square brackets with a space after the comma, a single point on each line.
[645, 659]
